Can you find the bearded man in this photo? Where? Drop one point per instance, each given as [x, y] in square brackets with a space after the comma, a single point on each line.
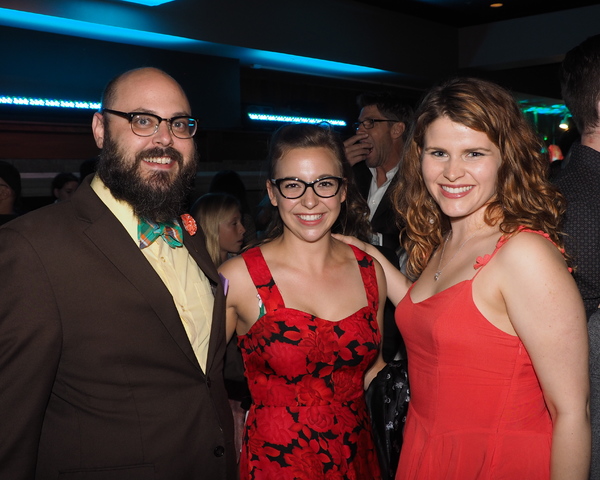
[112, 330]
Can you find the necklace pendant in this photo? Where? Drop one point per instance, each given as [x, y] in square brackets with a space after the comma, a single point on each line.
[436, 276]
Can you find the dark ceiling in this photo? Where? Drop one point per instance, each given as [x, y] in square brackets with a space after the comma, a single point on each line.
[463, 13]
[538, 80]
[463, 47]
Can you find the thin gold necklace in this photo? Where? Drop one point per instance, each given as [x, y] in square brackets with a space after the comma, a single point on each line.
[440, 268]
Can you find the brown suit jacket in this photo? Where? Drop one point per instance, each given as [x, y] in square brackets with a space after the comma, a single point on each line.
[97, 377]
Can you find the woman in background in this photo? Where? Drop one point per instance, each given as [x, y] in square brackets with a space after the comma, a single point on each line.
[220, 218]
[229, 181]
[306, 308]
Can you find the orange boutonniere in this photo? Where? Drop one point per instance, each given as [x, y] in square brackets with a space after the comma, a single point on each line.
[189, 224]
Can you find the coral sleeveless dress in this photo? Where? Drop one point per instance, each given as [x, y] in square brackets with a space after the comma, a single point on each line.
[477, 410]
[308, 419]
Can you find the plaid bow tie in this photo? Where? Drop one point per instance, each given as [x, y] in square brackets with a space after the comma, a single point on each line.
[170, 232]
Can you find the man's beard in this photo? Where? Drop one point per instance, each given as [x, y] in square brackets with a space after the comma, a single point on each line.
[158, 198]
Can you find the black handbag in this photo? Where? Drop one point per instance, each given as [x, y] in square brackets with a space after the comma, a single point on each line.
[387, 401]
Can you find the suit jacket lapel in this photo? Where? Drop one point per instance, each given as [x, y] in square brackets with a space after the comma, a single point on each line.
[111, 238]
[362, 178]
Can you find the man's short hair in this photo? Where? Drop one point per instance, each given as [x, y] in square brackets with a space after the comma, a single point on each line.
[580, 83]
[391, 107]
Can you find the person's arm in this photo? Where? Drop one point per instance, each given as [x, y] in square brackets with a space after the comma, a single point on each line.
[242, 302]
[30, 346]
[397, 283]
[547, 313]
[594, 333]
[382, 290]
[228, 272]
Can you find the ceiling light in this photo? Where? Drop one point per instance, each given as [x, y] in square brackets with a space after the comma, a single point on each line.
[496, 5]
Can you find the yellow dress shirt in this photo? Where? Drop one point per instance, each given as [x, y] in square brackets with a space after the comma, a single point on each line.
[179, 272]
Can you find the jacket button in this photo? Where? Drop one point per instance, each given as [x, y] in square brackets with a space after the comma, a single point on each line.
[208, 382]
[219, 451]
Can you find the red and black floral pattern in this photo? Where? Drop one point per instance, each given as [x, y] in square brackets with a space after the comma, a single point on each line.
[308, 419]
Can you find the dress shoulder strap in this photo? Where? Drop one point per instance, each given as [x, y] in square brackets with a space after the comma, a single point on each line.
[484, 260]
[262, 278]
[368, 275]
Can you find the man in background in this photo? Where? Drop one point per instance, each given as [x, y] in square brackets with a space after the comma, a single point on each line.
[112, 328]
[579, 181]
[375, 152]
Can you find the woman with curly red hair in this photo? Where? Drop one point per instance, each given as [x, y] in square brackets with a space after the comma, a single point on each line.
[494, 325]
[308, 312]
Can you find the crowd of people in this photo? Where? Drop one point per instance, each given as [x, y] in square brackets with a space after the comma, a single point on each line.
[133, 322]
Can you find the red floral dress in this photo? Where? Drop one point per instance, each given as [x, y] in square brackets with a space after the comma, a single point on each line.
[308, 419]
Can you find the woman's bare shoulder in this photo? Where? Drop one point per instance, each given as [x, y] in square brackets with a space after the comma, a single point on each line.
[528, 249]
[232, 265]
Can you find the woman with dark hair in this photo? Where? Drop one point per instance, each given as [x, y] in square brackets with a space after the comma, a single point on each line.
[306, 308]
[494, 326]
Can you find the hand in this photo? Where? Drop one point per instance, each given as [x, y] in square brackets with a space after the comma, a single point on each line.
[357, 148]
[351, 241]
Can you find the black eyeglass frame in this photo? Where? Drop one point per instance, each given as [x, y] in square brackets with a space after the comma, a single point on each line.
[131, 115]
[371, 122]
[277, 183]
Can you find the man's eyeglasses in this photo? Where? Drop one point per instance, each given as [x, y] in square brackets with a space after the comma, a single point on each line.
[146, 124]
[369, 123]
[292, 188]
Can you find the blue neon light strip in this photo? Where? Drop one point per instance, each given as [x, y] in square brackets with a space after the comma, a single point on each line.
[75, 104]
[83, 105]
[261, 117]
[47, 102]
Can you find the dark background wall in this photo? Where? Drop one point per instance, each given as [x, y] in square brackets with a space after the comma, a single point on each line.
[40, 64]
[233, 55]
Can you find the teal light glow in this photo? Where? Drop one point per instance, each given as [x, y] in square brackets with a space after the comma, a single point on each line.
[148, 3]
[247, 56]
[47, 102]
[262, 117]
[557, 109]
[94, 31]
[285, 61]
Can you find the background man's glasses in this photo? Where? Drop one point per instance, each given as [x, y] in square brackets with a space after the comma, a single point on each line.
[292, 188]
[146, 124]
[370, 123]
